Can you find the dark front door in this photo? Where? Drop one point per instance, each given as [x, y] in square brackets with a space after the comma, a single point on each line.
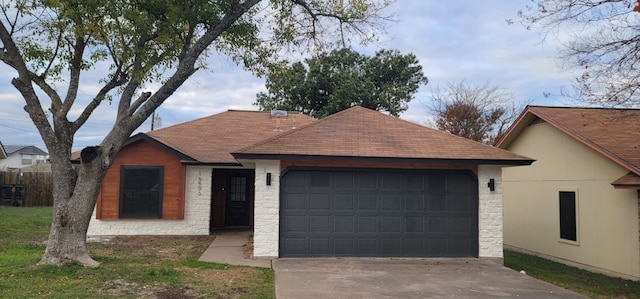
[237, 204]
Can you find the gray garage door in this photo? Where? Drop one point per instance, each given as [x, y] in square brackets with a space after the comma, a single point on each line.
[378, 213]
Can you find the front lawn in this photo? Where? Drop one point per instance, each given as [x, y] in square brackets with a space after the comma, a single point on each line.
[581, 281]
[131, 267]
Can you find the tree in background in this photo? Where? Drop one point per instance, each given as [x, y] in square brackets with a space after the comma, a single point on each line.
[480, 113]
[51, 44]
[331, 82]
[603, 42]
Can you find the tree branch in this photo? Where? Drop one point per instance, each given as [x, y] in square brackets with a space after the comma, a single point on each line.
[186, 67]
[74, 77]
[11, 56]
[117, 80]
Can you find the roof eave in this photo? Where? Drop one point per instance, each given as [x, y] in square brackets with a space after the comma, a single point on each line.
[505, 162]
[220, 164]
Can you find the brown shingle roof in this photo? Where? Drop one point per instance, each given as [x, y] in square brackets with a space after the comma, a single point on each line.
[211, 139]
[614, 133]
[361, 132]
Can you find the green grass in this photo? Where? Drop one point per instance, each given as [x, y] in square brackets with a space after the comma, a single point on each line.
[133, 267]
[581, 281]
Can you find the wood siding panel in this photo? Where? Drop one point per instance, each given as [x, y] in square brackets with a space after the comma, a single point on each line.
[144, 153]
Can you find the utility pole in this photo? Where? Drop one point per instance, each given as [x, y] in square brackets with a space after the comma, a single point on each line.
[153, 119]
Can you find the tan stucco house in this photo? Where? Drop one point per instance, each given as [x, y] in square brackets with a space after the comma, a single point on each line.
[578, 202]
[356, 183]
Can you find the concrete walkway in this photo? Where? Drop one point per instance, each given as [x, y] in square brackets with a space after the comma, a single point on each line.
[227, 247]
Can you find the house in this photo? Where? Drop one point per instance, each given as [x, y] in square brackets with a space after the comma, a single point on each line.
[578, 203]
[356, 183]
[20, 156]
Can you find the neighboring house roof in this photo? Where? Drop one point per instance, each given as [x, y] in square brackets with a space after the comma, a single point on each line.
[211, 139]
[615, 133]
[23, 149]
[3, 153]
[362, 133]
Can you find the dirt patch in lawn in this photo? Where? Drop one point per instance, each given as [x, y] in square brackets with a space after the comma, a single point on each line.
[171, 259]
[155, 247]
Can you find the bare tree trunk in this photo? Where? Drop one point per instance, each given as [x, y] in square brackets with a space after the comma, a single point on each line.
[75, 195]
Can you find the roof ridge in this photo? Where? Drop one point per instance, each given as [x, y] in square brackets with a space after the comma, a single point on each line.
[368, 110]
[218, 115]
[317, 121]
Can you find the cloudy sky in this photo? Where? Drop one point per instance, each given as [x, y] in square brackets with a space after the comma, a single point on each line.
[454, 40]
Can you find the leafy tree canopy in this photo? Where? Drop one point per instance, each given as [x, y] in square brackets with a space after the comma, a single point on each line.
[334, 81]
[51, 44]
[481, 113]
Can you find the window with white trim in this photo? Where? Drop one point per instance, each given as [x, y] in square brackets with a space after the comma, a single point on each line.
[568, 215]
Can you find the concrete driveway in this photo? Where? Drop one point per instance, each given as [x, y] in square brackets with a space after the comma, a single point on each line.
[406, 278]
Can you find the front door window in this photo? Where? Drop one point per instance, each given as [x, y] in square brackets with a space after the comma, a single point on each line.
[237, 206]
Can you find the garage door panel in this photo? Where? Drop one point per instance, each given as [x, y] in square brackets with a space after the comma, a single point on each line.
[436, 224]
[458, 203]
[344, 180]
[391, 224]
[384, 213]
[318, 246]
[295, 246]
[343, 246]
[295, 201]
[321, 201]
[391, 202]
[367, 224]
[366, 181]
[344, 224]
[437, 247]
[392, 247]
[459, 246]
[415, 202]
[367, 246]
[343, 202]
[414, 246]
[367, 202]
[414, 183]
[295, 224]
[414, 224]
[459, 224]
[390, 182]
[320, 224]
[437, 202]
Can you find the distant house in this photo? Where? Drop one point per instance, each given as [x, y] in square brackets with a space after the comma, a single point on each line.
[579, 202]
[21, 156]
[356, 183]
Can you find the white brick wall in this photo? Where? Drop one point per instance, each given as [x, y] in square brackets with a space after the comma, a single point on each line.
[266, 230]
[196, 214]
[490, 212]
